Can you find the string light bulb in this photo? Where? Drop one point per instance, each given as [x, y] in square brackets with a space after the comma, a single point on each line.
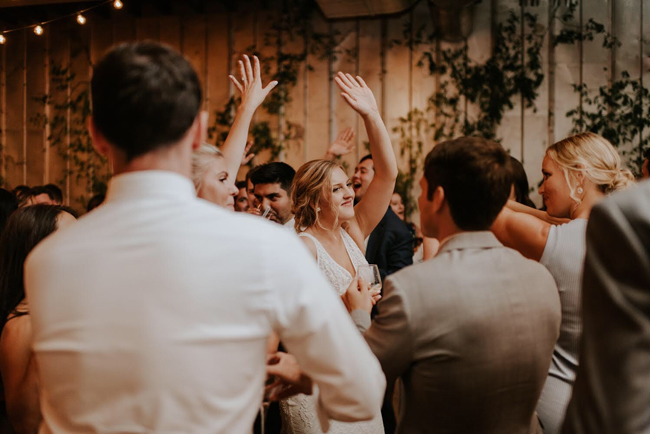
[38, 30]
[117, 4]
[81, 19]
[2, 39]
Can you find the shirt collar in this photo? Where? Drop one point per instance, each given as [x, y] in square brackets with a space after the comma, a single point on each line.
[147, 184]
[470, 240]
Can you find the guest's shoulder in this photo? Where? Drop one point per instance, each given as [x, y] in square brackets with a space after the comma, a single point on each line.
[632, 200]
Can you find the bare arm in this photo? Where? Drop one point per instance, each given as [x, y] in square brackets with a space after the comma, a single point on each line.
[542, 215]
[522, 232]
[370, 210]
[252, 95]
[20, 375]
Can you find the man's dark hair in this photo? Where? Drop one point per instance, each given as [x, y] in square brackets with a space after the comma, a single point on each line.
[8, 204]
[145, 96]
[476, 175]
[95, 201]
[24, 230]
[272, 173]
[367, 157]
[54, 192]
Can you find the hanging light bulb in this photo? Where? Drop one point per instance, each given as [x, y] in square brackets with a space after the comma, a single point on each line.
[2, 39]
[81, 19]
[117, 4]
[38, 30]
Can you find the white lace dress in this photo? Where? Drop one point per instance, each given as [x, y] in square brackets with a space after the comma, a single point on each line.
[299, 412]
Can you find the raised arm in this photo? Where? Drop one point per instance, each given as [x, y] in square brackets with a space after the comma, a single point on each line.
[542, 215]
[370, 210]
[252, 95]
[523, 232]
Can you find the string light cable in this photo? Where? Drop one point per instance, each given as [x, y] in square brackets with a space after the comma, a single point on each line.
[79, 16]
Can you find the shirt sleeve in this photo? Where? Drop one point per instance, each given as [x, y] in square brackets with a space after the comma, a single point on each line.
[390, 337]
[317, 330]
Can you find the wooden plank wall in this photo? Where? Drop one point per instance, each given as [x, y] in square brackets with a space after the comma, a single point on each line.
[213, 42]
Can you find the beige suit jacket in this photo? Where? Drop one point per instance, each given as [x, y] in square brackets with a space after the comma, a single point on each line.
[471, 334]
[612, 390]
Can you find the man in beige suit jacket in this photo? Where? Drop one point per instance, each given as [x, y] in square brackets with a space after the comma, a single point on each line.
[470, 332]
[612, 390]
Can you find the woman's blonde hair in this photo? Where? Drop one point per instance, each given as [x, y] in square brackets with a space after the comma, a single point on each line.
[312, 184]
[201, 160]
[593, 156]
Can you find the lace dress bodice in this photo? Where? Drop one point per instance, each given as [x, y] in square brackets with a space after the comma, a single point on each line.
[338, 276]
[299, 412]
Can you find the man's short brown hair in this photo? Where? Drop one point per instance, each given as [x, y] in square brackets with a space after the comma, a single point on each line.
[476, 176]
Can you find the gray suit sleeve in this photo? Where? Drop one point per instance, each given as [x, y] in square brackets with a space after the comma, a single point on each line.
[612, 389]
[390, 336]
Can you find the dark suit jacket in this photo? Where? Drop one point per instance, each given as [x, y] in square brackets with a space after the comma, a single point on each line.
[390, 245]
[471, 333]
[612, 390]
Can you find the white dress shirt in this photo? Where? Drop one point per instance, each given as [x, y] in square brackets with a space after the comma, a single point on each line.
[152, 313]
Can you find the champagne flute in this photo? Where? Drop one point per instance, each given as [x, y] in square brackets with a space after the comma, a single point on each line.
[370, 274]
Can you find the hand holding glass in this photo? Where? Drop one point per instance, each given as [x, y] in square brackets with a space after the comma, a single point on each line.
[370, 274]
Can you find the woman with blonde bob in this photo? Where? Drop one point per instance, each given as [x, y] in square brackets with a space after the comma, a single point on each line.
[334, 230]
[578, 172]
[213, 170]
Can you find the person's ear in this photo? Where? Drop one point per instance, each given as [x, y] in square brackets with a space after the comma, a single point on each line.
[99, 141]
[439, 199]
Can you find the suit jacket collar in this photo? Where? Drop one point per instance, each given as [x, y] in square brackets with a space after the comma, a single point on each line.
[470, 240]
[147, 184]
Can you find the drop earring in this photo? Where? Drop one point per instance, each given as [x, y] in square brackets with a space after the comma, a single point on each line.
[318, 209]
[580, 190]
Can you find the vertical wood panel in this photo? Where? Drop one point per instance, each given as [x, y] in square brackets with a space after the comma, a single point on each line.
[369, 67]
[294, 119]
[266, 44]
[627, 27]
[80, 66]
[398, 71]
[479, 46]
[3, 114]
[193, 44]
[123, 28]
[535, 137]
[58, 142]
[343, 116]
[510, 129]
[645, 60]
[147, 29]
[218, 53]
[36, 90]
[170, 32]
[567, 73]
[15, 100]
[317, 125]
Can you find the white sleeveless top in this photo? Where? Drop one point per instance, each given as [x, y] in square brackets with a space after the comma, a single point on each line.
[299, 412]
[338, 276]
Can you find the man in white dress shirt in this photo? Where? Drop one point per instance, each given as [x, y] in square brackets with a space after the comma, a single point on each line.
[147, 316]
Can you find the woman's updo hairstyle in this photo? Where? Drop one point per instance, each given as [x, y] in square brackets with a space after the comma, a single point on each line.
[201, 159]
[595, 157]
[312, 185]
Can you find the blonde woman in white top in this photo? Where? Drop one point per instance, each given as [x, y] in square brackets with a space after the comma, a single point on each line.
[578, 172]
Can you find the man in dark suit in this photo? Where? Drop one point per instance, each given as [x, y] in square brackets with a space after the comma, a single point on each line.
[390, 245]
[612, 389]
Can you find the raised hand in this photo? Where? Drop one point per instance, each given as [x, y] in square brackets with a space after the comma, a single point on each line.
[357, 94]
[252, 91]
[248, 156]
[343, 145]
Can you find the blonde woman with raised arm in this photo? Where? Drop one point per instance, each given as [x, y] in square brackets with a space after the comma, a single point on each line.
[578, 172]
[334, 230]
